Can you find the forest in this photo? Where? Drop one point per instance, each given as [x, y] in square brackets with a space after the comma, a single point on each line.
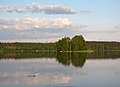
[76, 43]
[27, 47]
[103, 45]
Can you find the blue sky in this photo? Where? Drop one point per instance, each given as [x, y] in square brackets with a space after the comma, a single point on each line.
[49, 20]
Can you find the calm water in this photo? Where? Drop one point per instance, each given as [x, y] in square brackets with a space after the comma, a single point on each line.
[99, 69]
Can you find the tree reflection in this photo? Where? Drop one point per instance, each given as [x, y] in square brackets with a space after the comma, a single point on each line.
[104, 55]
[65, 58]
[27, 55]
[76, 59]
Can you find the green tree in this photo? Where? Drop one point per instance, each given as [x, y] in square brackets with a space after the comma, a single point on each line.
[78, 43]
[63, 44]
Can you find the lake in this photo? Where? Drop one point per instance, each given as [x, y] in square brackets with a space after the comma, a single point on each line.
[98, 69]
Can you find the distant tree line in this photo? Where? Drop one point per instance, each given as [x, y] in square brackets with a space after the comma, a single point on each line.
[65, 44]
[26, 47]
[77, 43]
[102, 45]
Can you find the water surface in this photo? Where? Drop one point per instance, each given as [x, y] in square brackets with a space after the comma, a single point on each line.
[60, 70]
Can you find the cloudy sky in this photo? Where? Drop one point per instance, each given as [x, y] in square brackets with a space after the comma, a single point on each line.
[50, 20]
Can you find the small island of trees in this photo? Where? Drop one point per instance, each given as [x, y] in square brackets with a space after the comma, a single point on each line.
[77, 43]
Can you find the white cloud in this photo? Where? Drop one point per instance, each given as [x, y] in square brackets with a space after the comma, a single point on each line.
[33, 23]
[36, 29]
[39, 8]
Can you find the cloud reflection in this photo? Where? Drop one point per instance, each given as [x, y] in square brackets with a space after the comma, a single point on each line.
[39, 78]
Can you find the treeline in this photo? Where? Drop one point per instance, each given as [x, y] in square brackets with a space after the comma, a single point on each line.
[77, 43]
[65, 44]
[102, 46]
[27, 47]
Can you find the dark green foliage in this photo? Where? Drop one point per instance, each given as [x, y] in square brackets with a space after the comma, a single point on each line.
[77, 43]
[63, 44]
[102, 46]
[26, 47]
[59, 45]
